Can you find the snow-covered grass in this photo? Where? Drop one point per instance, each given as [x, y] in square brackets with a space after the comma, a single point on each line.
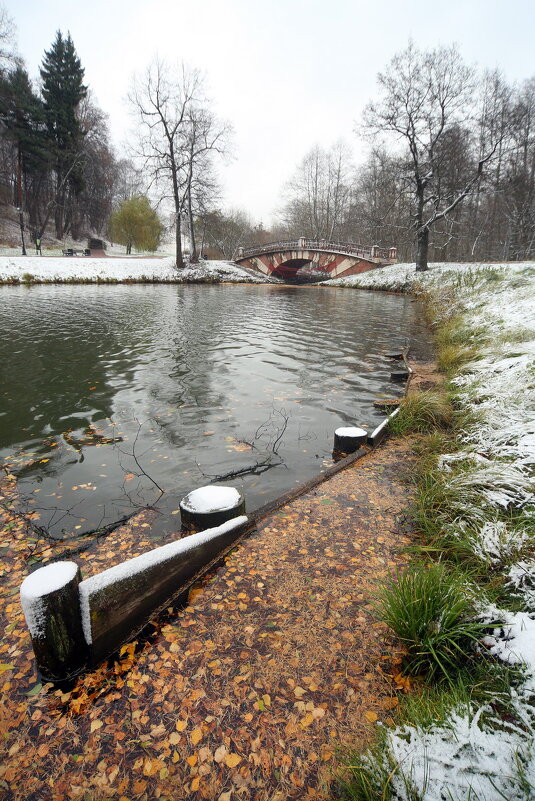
[30, 269]
[478, 502]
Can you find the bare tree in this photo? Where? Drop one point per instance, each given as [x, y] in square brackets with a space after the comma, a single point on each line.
[319, 193]
[424, 95]
[176, 132]
[206, 136]
[8, 49]
[223, 232]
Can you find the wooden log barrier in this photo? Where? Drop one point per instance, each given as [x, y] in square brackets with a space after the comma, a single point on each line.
[51, 605]
[118, 602]
[349, 439]
[210, 506]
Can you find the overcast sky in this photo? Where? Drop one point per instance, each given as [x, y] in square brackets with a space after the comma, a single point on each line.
[288, 74]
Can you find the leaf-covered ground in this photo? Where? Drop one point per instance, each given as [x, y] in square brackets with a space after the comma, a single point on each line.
[245, 692]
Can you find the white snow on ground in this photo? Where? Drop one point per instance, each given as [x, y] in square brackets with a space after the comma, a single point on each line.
[85, 268]
[460, 760]
[473, 755]
[404, 278]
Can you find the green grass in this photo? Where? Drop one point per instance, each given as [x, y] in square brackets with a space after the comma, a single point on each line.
[431, 609]
[422, 412]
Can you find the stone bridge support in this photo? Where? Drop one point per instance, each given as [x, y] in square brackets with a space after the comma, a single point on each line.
[285, 264]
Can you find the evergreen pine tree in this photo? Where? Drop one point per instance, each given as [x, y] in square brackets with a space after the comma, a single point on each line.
[63, 89]
[22, 114]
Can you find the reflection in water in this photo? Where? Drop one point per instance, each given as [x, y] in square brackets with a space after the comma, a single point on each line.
[181, 378]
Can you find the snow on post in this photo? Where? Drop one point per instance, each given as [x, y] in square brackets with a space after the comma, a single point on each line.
[51, 606]
[210, 506]
[349, 439]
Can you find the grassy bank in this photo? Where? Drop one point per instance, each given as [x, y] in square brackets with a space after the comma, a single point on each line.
[465, 608]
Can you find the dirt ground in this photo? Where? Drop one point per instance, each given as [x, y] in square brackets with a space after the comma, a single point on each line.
[248, 691]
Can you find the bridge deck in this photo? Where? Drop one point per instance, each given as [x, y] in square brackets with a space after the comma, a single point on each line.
[371, 253]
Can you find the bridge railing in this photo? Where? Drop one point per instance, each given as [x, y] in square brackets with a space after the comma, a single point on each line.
[373, 252]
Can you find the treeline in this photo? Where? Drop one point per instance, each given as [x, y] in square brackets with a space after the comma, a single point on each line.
[56, 161]
[452, 168]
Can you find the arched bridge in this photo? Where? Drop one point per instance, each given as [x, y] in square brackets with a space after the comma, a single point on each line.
[284, 259]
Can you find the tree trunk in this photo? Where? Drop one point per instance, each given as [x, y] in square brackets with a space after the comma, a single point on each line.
[422, 239]
[179, 257]
[194, 257]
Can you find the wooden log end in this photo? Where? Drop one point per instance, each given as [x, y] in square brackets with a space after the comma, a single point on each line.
[349, 439]
[399, 375]
[386, 403]
[51, 605]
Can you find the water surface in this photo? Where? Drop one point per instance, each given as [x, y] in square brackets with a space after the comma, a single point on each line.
[109, 392]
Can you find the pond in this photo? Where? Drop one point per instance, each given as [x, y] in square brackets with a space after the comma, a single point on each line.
[109, 393]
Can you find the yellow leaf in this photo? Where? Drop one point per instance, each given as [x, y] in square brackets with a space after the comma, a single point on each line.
[196, 736]
[231, 760]
[371, 716]
[96, 724]
[174, 738]
[192, 760]
[180, 725]
[195, 784]
[307, 720]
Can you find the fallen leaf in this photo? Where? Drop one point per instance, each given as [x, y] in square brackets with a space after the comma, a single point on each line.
[220, 753]
[371, 716]
[196, 736]
[231, 760]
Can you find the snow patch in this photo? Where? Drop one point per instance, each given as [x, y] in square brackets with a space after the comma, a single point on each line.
[72, 268]
[514, 641]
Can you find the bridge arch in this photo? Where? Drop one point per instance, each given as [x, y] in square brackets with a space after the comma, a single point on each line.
[285, 258]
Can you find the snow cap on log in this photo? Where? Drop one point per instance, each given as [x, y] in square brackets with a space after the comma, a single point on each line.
[210, 506]
[348, 439]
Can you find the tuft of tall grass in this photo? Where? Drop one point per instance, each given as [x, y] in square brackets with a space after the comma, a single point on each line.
[450, 358]
[422, 412]
[430, 608]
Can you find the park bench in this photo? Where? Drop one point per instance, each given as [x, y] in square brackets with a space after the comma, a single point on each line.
[72, 252]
